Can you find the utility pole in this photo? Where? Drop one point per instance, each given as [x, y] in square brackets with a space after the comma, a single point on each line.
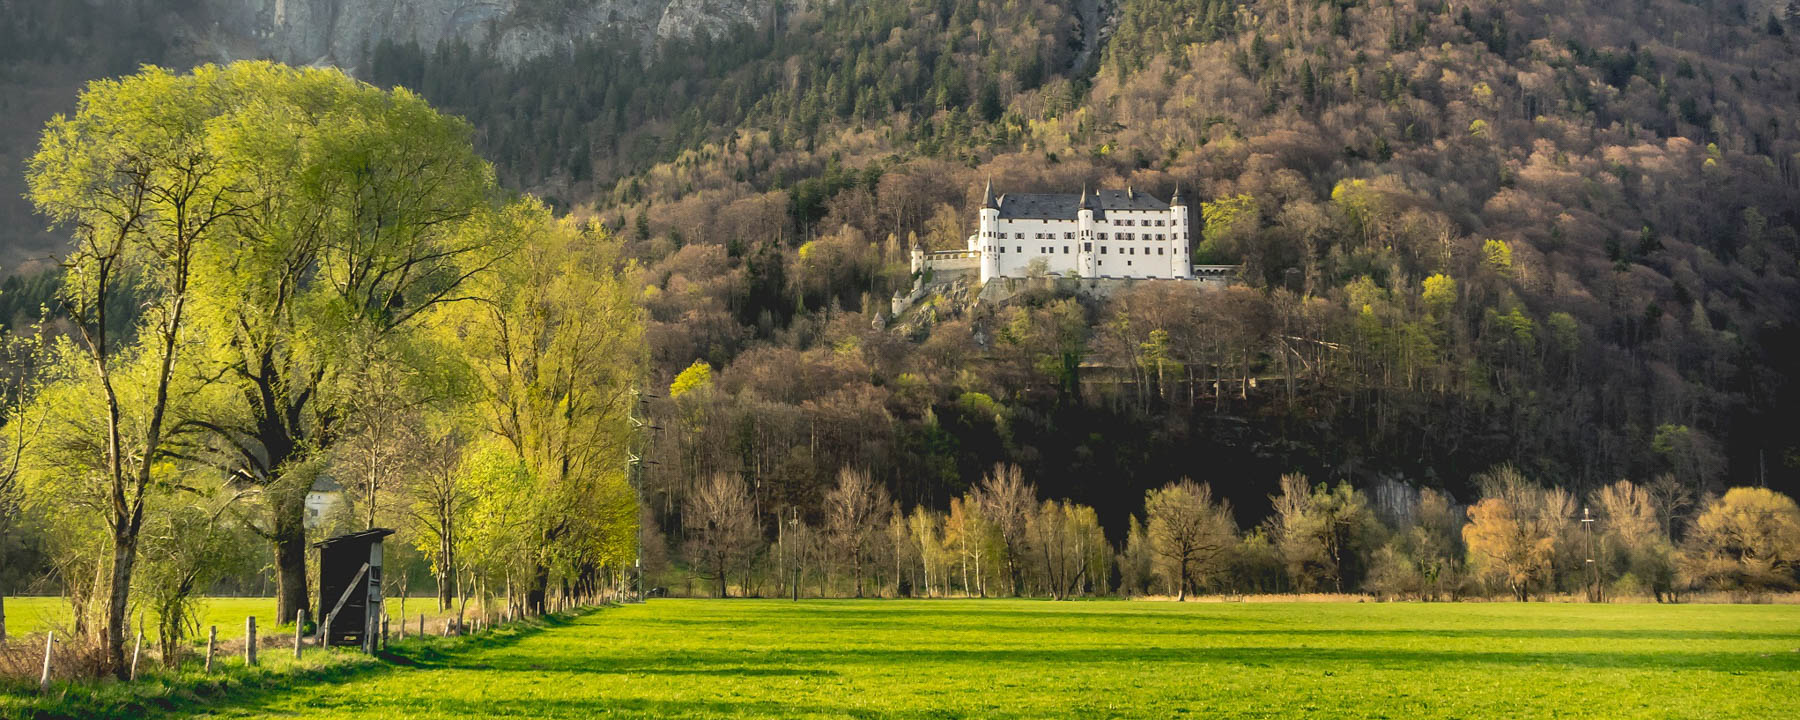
[794, 528]
[1593, 571]
[634, 473]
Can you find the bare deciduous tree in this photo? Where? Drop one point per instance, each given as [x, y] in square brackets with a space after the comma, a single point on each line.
[1005, 498]
[721, 528]
[1189, 533]
[1513, 533]
[855, 511]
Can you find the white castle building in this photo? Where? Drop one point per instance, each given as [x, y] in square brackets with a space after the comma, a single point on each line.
[1099, 234]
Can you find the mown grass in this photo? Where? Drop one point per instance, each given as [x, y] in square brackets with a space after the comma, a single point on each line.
[26, 615]
[189, 690]
[1026, 659]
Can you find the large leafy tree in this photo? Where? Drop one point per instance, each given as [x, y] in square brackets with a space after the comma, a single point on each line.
[555, 347]
[136, 174]
[370, 209]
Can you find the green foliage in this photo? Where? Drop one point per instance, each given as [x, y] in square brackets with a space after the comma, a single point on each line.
[697, 377]
[1230, 223]
[1498, 255]
[1439, 294]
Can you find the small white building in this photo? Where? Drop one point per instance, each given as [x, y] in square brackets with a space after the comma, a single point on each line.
[1100, 234]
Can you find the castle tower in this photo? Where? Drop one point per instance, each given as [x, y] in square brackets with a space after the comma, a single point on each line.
[1181, 256]
[1084, 221]
[984, 240]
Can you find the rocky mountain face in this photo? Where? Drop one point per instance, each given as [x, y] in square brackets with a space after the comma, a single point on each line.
[344, 32]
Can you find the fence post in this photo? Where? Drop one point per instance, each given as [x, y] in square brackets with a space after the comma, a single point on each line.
[299, 623]
[384, 632]
[135, 651]
[421, 624]
[212, 639]
[250, 641]
[49, 642]
[325, 631]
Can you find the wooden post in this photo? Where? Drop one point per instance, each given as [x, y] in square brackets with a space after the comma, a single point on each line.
[421, 624]
[212, 639]
[49, 642]
[250, 641]
[135, 651]
[299, 626]
[325, 632]
[384, 632]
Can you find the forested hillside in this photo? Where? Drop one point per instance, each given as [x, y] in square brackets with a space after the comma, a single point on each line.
[1473, 233]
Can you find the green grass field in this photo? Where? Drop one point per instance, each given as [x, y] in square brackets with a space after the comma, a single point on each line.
[1029, 659]
[26, 615]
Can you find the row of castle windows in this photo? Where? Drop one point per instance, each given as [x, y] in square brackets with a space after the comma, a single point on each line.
[1085, 247]
[1099, 236]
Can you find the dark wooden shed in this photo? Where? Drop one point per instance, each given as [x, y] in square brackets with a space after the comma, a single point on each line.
[350, 586]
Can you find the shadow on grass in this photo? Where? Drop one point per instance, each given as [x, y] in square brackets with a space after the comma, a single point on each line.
[236, 687]
[1211, 626]
[810, 662]
[539, 707]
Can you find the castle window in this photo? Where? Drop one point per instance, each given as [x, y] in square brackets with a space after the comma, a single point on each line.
[1159, 251]
[1019, 248]
[1018, 236]
[1102, 236]
[1087, 247]
[1068, 236]
[1065, 249]
[1102, 249]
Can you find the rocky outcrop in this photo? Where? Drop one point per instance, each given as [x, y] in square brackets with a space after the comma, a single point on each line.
[344, 32]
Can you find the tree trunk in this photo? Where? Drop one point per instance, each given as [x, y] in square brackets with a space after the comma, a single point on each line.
[540, 585]
[119, 595]
[447, 570]
[290, 559]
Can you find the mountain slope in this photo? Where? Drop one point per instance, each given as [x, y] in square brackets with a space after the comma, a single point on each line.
[1481, 232]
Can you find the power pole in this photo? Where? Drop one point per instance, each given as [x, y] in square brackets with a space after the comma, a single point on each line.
[634, 473]
[794, 524]
[1593, 571]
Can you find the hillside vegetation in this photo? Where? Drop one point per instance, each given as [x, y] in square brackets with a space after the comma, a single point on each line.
[1473, 233]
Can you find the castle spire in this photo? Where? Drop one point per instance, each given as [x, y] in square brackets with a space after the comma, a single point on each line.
[987, 197]
[1176, 200]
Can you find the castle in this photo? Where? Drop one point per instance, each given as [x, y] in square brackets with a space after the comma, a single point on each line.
[1100, 241]
[1099, 234]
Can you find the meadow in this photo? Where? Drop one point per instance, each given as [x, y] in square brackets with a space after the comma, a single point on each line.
[1117, 659]
[27, 615]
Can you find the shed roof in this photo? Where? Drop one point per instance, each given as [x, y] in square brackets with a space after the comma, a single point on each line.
[365, 536]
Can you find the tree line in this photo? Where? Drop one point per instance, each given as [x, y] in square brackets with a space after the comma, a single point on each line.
[323, 287]
[1518, 539]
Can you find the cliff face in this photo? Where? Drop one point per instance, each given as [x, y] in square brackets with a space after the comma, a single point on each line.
[344, 32]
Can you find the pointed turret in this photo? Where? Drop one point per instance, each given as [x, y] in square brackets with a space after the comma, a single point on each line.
[1175, 201]
[987, 197]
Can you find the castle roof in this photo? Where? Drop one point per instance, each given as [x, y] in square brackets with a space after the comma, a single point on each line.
[1064, 206]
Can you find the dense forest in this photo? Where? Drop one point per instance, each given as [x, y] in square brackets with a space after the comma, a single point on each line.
[1558, 240]
[1472, 233]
